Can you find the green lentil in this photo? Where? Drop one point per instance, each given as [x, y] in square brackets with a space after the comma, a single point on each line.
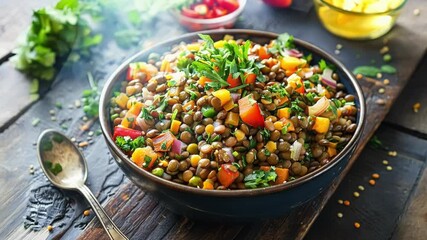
[389, 168]
[340, 215]
[340, 201]
[361, 188]
[356, 194]
[385, 162]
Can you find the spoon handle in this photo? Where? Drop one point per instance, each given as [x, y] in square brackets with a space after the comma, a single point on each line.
[112, 230]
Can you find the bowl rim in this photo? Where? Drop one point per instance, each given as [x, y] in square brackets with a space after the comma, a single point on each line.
[106, 129]
[362, 13]
[225, 18]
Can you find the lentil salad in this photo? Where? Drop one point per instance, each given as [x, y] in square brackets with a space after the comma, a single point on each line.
[232, 114]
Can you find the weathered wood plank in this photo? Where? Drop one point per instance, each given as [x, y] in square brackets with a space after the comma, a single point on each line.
[379, 207]
[402, 113]
[104, 177]
[15, 19]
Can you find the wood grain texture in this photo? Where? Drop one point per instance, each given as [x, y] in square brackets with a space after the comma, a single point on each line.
[379, 207]
[137, 214]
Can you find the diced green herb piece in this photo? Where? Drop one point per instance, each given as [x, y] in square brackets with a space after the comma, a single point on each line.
[367, 71]
[208, 112]
[387, 58]
[58, 138]
[388, 69]
[260, 178]
[129, 145]
[53, 168]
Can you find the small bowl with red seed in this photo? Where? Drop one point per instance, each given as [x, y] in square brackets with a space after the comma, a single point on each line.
[210, 14]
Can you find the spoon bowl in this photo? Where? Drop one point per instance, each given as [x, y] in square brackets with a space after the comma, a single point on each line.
[65, 167]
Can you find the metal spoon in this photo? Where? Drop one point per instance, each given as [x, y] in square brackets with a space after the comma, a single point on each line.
[64, 165]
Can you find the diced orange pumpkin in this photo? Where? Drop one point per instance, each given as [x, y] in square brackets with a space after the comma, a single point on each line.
[223, 94]
[321, 124]
[284, 113]
[129, 120]
[175, 126]
[282, 101]
[135, 108]
[144, 157]
[121, 100]
[332, 151]
[227, 174]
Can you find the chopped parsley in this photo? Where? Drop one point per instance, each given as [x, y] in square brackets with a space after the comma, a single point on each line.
[53, 168]
[145, 114]
[284, 41]
[129, 145]
[259, 178]
[147, 161]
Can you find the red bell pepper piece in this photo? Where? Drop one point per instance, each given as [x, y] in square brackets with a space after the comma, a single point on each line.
[229, 5]
[250, 78]
[249, 112]
[263, 53]
[227, 174]
[125, 132]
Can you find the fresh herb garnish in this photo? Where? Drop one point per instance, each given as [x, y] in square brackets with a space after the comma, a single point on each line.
[284, 41]
[145, 114]
[91, 98]
[368, 71]
[260, 178]
[129, 145]
[53, 168]
[147, 161]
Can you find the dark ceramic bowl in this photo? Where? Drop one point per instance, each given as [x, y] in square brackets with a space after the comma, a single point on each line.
[235, 204]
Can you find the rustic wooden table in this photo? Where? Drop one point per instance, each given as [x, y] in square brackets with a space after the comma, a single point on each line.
[30, 203]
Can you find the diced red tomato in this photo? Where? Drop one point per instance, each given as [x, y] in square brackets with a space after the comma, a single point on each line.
[125, 132]
[279, 3]
[227, 174]
[263, 53]
[249, 112]
[219, 11]
[230, 5]
[250, 78]
[234, 82]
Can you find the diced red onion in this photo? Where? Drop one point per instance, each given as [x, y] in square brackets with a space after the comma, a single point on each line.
[142, 124]
[294, 53]
[229, 152]
[177, 146]
[296, 148]
[327, 78]
[235, 96]
[319, 107]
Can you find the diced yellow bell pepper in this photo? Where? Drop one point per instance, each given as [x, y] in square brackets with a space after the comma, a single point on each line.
[122, 100]
[284, 113]
[321, 124]
[232, 119]
[271, 146]
[239, 134]
[223, 94]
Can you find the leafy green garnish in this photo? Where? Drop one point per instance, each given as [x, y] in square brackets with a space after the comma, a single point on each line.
[91, 98]
[375, 142]
[53, 168]
[323, 65]
[283, 42]
[53, 34]
[129, 145]
[260, 178]
[388, 69]
[368, 71]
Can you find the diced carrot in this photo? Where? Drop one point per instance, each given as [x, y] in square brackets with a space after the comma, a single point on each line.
[263, 53]
[321, 124]
[282, 175]
[233, 82]
[224, 95]
[284, 113]
[175, 126]
[250, 78]
[203, 80]
[135, 108]
[188, 106]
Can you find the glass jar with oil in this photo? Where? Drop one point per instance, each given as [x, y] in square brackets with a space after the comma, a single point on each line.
[358, 19]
